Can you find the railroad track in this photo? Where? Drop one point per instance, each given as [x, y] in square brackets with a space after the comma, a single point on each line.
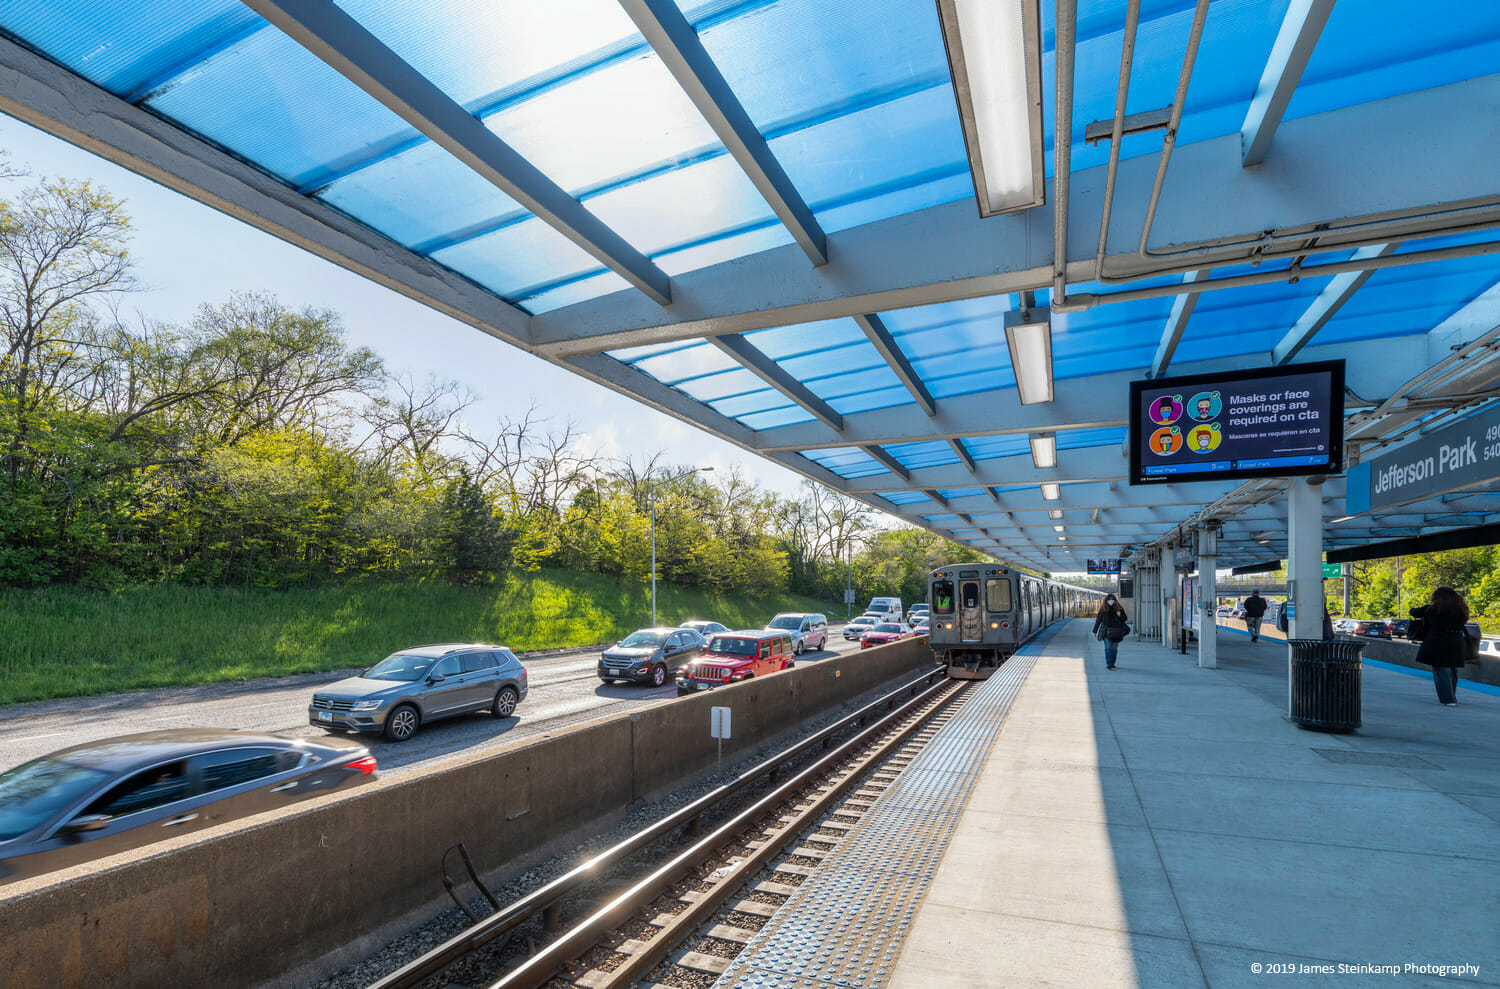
[685, 920]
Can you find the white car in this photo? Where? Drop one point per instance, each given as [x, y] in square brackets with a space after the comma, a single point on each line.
[859, 626]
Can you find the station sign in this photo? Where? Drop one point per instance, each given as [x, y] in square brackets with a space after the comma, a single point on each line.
[1104, 566]
[1221, 427]
[1460, 456]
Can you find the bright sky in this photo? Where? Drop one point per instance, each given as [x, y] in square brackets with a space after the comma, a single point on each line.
[187, 254]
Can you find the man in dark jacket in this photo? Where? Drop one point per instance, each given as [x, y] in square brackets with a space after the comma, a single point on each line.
[1255, 610]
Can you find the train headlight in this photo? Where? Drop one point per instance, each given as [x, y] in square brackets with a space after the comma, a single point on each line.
[994, 624]
[948, 626]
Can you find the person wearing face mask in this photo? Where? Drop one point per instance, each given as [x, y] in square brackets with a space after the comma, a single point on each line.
[1110, 627]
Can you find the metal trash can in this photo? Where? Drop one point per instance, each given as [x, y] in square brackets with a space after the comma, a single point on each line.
[1324, 686]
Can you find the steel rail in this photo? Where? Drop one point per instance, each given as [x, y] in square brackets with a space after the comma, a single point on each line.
[555, 957]
[547, 897]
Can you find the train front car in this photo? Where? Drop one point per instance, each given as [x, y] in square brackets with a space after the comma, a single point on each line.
[983, 613]
[973, 626]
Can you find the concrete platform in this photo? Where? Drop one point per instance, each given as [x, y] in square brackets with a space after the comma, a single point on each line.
[1162, 825]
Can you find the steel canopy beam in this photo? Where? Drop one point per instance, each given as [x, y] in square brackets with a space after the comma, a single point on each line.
[1300, 28]
[1339, 290]
[673, 39]
[962, 452]
[886, 345]
[887, 461]
[1171, 334]
[341, 41]
[763, 367]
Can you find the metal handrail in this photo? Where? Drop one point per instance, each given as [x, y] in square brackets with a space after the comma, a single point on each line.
[547, 896]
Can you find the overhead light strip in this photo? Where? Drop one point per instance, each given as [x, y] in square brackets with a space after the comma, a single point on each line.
[995, 58]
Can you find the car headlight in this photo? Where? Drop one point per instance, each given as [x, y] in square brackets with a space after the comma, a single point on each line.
[367, 705]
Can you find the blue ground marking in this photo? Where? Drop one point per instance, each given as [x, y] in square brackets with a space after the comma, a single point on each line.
[1483, 688]
[1040, 640]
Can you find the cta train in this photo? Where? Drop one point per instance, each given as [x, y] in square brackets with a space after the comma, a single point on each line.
[983, 612]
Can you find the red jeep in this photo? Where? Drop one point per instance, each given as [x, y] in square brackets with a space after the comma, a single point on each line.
[735, 656]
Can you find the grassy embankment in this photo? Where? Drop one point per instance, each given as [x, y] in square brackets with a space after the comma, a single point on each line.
[65, 643]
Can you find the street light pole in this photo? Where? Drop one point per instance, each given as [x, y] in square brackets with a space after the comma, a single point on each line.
[651, 489]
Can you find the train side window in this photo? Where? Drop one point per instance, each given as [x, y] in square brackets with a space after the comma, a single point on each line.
[942, 596]
[997, 594]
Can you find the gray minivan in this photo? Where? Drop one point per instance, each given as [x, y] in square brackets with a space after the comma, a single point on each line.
[409, 688]
[808, 631]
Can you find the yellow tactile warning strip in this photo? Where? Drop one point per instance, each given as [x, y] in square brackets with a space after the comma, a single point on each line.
[844, 926]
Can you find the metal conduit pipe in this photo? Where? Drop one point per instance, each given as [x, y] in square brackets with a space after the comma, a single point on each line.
[1064, 41]
[1169, 139]
[1090, 300]
[1117, 132]
[1430, 378]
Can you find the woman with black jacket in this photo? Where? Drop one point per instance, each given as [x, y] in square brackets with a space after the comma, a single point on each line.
[1444, 628]
[1110, 626]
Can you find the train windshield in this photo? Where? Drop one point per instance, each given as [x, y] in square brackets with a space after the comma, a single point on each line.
[997, 594]
[942, 596]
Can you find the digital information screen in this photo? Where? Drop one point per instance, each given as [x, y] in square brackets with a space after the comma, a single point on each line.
[1264, 423]
[1104, 566]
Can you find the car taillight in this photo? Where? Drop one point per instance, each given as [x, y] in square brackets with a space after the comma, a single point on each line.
[365, 766]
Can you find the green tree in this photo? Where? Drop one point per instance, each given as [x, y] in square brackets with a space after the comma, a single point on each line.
[471, 538]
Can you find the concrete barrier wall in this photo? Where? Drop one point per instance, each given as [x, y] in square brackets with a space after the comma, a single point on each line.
[248, 904]
[1402, 653]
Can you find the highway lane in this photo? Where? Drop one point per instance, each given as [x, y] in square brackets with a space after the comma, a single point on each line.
[564, 691]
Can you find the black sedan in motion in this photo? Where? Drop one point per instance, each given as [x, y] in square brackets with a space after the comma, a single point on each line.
[99, 798]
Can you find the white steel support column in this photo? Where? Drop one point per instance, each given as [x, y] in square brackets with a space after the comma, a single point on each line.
[1305, 558]
[1168, 580]
[1208, 626]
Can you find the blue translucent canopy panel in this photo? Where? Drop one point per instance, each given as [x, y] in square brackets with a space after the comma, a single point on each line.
[1118, 336]
[847, 461]
[1246, 320]
[1082, 439]
[704, 372]
[906, 497]
[836, 361]
[441, 201]
[516, 259]
[127, 46]
[1006, 445]
[960, 492]
[940, 519]
[480, 51]
[1378, 48]
[930, 453]
[1399, 301]
[854, 99]
[273, 102]
[566, 293]
[956, 347]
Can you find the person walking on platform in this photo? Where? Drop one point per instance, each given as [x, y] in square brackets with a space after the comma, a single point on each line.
[1442, 628]
[1110, 627]
[1255, 610]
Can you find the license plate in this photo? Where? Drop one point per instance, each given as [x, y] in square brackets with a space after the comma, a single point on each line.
[324, 716]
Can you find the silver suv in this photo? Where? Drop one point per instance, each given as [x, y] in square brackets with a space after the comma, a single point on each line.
[808, 631]
[407, 689]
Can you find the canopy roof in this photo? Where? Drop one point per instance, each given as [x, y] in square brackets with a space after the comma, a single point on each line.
[759, 217]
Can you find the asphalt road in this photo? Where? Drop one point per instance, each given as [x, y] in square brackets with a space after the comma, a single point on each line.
[564, 690]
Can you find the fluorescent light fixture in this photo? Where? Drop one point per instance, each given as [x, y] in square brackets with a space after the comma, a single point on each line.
[1044, 450]
[1050, 491]
[995, 57]
[1062, 539]
[1057, 528]
[1054, 513]
[1341, 519]
[1029, 334]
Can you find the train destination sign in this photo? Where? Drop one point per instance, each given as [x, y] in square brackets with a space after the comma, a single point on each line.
[1460, 456]
[1261, 423]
